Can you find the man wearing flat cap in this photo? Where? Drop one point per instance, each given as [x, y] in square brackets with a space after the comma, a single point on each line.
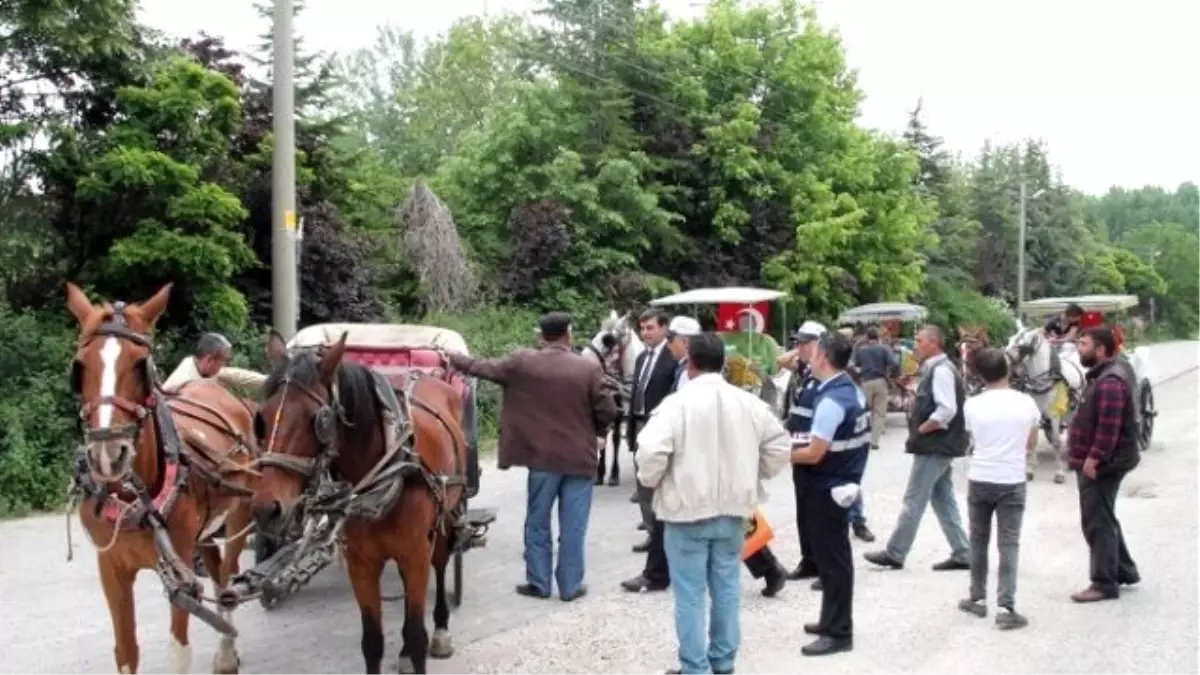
[555, 406]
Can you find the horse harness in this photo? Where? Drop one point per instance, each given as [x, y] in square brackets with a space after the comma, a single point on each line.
[374, 496]
[137, 514]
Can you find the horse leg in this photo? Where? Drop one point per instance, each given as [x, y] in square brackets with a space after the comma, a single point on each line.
[226, 659]
[117, 583]
[600, 466]
[414, 568]
[614, 477]
[441, 646]
[180, 653]
[1060, 454]
[364, 579]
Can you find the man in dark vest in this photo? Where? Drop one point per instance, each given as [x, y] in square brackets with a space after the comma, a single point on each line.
[654, 378]
[1103, 447]
[937, 436]
[831, 466]
[802, 403]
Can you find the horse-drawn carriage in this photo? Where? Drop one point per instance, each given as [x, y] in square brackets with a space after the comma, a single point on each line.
[1100, 309]
[751, 352]
[287, 559]
[891, 315]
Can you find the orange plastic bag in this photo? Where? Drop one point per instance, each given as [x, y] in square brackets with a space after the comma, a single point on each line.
[758, 534]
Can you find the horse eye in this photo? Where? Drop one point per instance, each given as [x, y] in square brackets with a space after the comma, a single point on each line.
[260, 426]
[76, 376]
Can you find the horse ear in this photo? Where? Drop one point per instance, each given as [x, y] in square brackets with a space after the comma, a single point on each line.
[276, 349]
[153, 308]
[333, 358]
[78, 304]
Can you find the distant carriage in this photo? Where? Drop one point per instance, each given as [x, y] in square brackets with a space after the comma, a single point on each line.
[902, 381]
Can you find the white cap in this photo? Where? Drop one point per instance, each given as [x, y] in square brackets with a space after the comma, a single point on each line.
[685, 326]
[810, 330]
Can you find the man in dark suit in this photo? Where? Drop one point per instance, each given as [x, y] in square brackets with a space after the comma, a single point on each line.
[555, 407]
[654, 379]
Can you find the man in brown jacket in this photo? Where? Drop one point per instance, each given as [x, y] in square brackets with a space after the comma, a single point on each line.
[555, 406]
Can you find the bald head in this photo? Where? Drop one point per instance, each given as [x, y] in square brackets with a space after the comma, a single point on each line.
[930, 342]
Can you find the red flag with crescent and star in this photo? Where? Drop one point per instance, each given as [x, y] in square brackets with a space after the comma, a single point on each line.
[729, 316]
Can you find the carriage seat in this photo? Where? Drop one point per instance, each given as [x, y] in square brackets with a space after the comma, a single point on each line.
[395, 364]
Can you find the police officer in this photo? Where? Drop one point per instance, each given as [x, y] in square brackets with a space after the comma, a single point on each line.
[832, 464]
[799, 422]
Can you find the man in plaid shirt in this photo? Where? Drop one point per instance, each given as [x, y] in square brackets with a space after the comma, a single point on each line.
[1103, 447]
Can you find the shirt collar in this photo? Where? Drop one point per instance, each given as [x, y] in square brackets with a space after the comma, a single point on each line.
[833, 377]
[707, 377]
[934, 360]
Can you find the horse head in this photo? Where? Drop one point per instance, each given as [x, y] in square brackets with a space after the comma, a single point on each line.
[113, 375]
[617, 344]
[319, 414]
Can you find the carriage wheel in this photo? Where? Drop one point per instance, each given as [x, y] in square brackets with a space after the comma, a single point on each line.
[1147, 413]
[456, 597]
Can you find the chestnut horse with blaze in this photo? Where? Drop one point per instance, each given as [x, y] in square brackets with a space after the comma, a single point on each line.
[325, 417]
[156, 461]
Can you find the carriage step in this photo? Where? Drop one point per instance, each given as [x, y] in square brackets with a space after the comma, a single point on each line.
[481, 516]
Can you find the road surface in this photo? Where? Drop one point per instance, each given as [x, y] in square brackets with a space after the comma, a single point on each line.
[55, 619]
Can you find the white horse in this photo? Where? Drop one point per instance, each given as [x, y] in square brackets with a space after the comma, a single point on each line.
[1032, 357]
[616, 346]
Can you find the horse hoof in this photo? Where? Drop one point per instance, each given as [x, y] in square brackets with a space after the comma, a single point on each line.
[406, 666]
[226, 663]
[441, 646]
[1060, 477]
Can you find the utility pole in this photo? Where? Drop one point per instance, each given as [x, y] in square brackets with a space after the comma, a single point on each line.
[285, 292]
[1021, 251]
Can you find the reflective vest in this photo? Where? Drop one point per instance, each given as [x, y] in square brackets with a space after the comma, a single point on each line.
[847, 457]
[803, 403]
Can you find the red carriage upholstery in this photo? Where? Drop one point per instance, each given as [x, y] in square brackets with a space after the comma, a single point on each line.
[395, 363]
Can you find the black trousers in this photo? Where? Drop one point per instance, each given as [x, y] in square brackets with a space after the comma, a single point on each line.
[806, 556]
[827, 524]
[1110, 560]
[657, 571]
[763, 563]
[644, 494]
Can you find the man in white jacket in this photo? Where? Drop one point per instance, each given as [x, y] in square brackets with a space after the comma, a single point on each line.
[707, 451]
[213, 351]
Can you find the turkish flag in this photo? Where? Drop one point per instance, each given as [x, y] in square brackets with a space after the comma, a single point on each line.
[729, 316]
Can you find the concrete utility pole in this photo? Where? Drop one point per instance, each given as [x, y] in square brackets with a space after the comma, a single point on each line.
[285, 292]
[1021, 227]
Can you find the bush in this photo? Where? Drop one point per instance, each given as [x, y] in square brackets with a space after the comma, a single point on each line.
[952, 306]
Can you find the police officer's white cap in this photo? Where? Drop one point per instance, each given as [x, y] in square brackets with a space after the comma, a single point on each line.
[810, 330]
[684, 326]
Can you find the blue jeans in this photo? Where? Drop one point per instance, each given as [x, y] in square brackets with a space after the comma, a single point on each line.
[857, 513]
[929, 484]
[706, 554]
[574, 497]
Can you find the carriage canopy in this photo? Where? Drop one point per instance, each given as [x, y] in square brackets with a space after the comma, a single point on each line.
[883, 311]
[1089, 303]
[397, 336]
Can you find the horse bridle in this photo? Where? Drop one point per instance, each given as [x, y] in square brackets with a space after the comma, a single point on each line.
[118, 327]
[329, 414]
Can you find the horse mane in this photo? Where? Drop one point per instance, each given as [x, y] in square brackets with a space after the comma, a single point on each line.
[356, 392]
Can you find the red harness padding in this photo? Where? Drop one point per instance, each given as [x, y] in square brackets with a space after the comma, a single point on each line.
[116, 509]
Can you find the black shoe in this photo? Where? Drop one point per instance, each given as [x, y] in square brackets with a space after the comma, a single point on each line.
[1129, 579]
[614, 481]
[642, 547]
[775, 583]
[599, 480]
[970, 606]
[641, 584]
[577, 594]
[863, 532]
[817, 585]
[826, 645]
[531, 591]
[882, 559]
[813, 629]
[803, 571]
[641, 527]
[950, 564]
[1007, 619]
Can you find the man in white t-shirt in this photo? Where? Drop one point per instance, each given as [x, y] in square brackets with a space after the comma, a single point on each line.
[1003, 424]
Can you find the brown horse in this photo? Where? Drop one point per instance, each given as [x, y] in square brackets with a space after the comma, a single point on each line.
[161, 473]
[971, 339]
[323, 417]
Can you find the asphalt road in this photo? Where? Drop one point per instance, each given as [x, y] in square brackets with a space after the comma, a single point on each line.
[55, 619]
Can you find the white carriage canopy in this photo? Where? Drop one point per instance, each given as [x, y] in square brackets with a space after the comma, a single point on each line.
[1089, 303]
[883, 311]
[739, 295]
[381, 335]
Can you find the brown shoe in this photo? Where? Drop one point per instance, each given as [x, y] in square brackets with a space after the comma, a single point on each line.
[1093, 594]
